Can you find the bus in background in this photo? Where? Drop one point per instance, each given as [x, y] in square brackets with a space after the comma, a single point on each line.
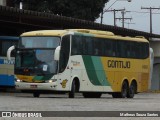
[91, 62]
[7, 66]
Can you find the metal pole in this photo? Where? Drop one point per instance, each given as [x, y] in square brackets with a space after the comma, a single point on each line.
[102, 17]
[150, 20]
[150, 8]
[110, 7]
[123, 18]
[114, 17]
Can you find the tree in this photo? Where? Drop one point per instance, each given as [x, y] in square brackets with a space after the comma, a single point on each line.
[81, 9]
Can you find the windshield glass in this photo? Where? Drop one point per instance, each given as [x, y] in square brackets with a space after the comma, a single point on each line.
[25, 58]
[37, 61]
[45, 61]
[39, 42]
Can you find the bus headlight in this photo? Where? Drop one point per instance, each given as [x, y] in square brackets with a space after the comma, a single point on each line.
[50, 81]
[18, 80]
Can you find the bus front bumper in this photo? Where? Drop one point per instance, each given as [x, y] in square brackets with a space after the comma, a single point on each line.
[35, 86]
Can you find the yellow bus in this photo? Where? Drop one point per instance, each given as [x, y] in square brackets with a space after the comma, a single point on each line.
[91, 62]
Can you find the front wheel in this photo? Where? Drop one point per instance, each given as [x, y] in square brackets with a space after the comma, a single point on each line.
[72, 92]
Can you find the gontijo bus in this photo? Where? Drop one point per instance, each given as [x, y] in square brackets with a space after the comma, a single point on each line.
[81, 60]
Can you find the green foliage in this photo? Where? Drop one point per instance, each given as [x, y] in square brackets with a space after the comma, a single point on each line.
[81, 9]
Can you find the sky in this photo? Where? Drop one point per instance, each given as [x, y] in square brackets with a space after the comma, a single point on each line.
[140, 17]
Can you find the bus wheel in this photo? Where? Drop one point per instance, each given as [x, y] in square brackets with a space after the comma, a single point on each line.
[36, 94]
[92, 95]
[124, 90]
[131, 91]
[72, 92]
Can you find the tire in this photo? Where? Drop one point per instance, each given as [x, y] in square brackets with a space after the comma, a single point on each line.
[131, 91]
[124, 90]
[92, 95]
[73, 90]
[36, 94]
[123, 93]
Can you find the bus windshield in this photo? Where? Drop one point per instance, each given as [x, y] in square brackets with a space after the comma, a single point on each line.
[39, 42]
[36, 61]
[36, 55]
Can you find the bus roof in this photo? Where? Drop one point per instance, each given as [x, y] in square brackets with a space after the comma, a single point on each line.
[46, 33]
[84, 32]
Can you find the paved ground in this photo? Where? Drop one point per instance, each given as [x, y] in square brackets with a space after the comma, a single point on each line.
[51, 102]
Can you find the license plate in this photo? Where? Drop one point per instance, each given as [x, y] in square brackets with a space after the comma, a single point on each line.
[33, 86]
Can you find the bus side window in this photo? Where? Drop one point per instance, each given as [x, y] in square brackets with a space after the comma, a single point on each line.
[64, 53]
[77, 45]
[114, 48]
[133, 51]
[128, 50]
[137, 50]
[98, 49]
[145, 51]
[109, 49]
[88, 45]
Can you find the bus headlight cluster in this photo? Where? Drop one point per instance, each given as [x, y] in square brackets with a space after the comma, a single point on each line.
[18, 80]
[50, 81]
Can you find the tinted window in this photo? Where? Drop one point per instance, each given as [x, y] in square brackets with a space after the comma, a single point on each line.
[84, 45]
[77, 45]
[64, 53]
[98, 46]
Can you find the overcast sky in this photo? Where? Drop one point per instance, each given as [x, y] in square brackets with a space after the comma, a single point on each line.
[140, 17]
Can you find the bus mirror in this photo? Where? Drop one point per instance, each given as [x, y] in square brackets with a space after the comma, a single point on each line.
[9, 52]
[57, 53]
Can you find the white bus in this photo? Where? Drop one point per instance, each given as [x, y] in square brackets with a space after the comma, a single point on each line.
[80, 60]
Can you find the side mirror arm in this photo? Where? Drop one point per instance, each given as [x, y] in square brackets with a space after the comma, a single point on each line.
[9, 52]
[57, 53]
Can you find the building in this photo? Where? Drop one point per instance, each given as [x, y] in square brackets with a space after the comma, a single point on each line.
[155, 82]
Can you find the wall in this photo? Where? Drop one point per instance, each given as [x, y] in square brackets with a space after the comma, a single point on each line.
[155, 81]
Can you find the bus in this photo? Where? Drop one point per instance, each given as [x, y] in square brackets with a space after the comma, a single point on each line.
[7, 66]
[91, 62]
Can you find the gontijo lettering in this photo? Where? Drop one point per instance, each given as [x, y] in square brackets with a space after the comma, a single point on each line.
[118, 64]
